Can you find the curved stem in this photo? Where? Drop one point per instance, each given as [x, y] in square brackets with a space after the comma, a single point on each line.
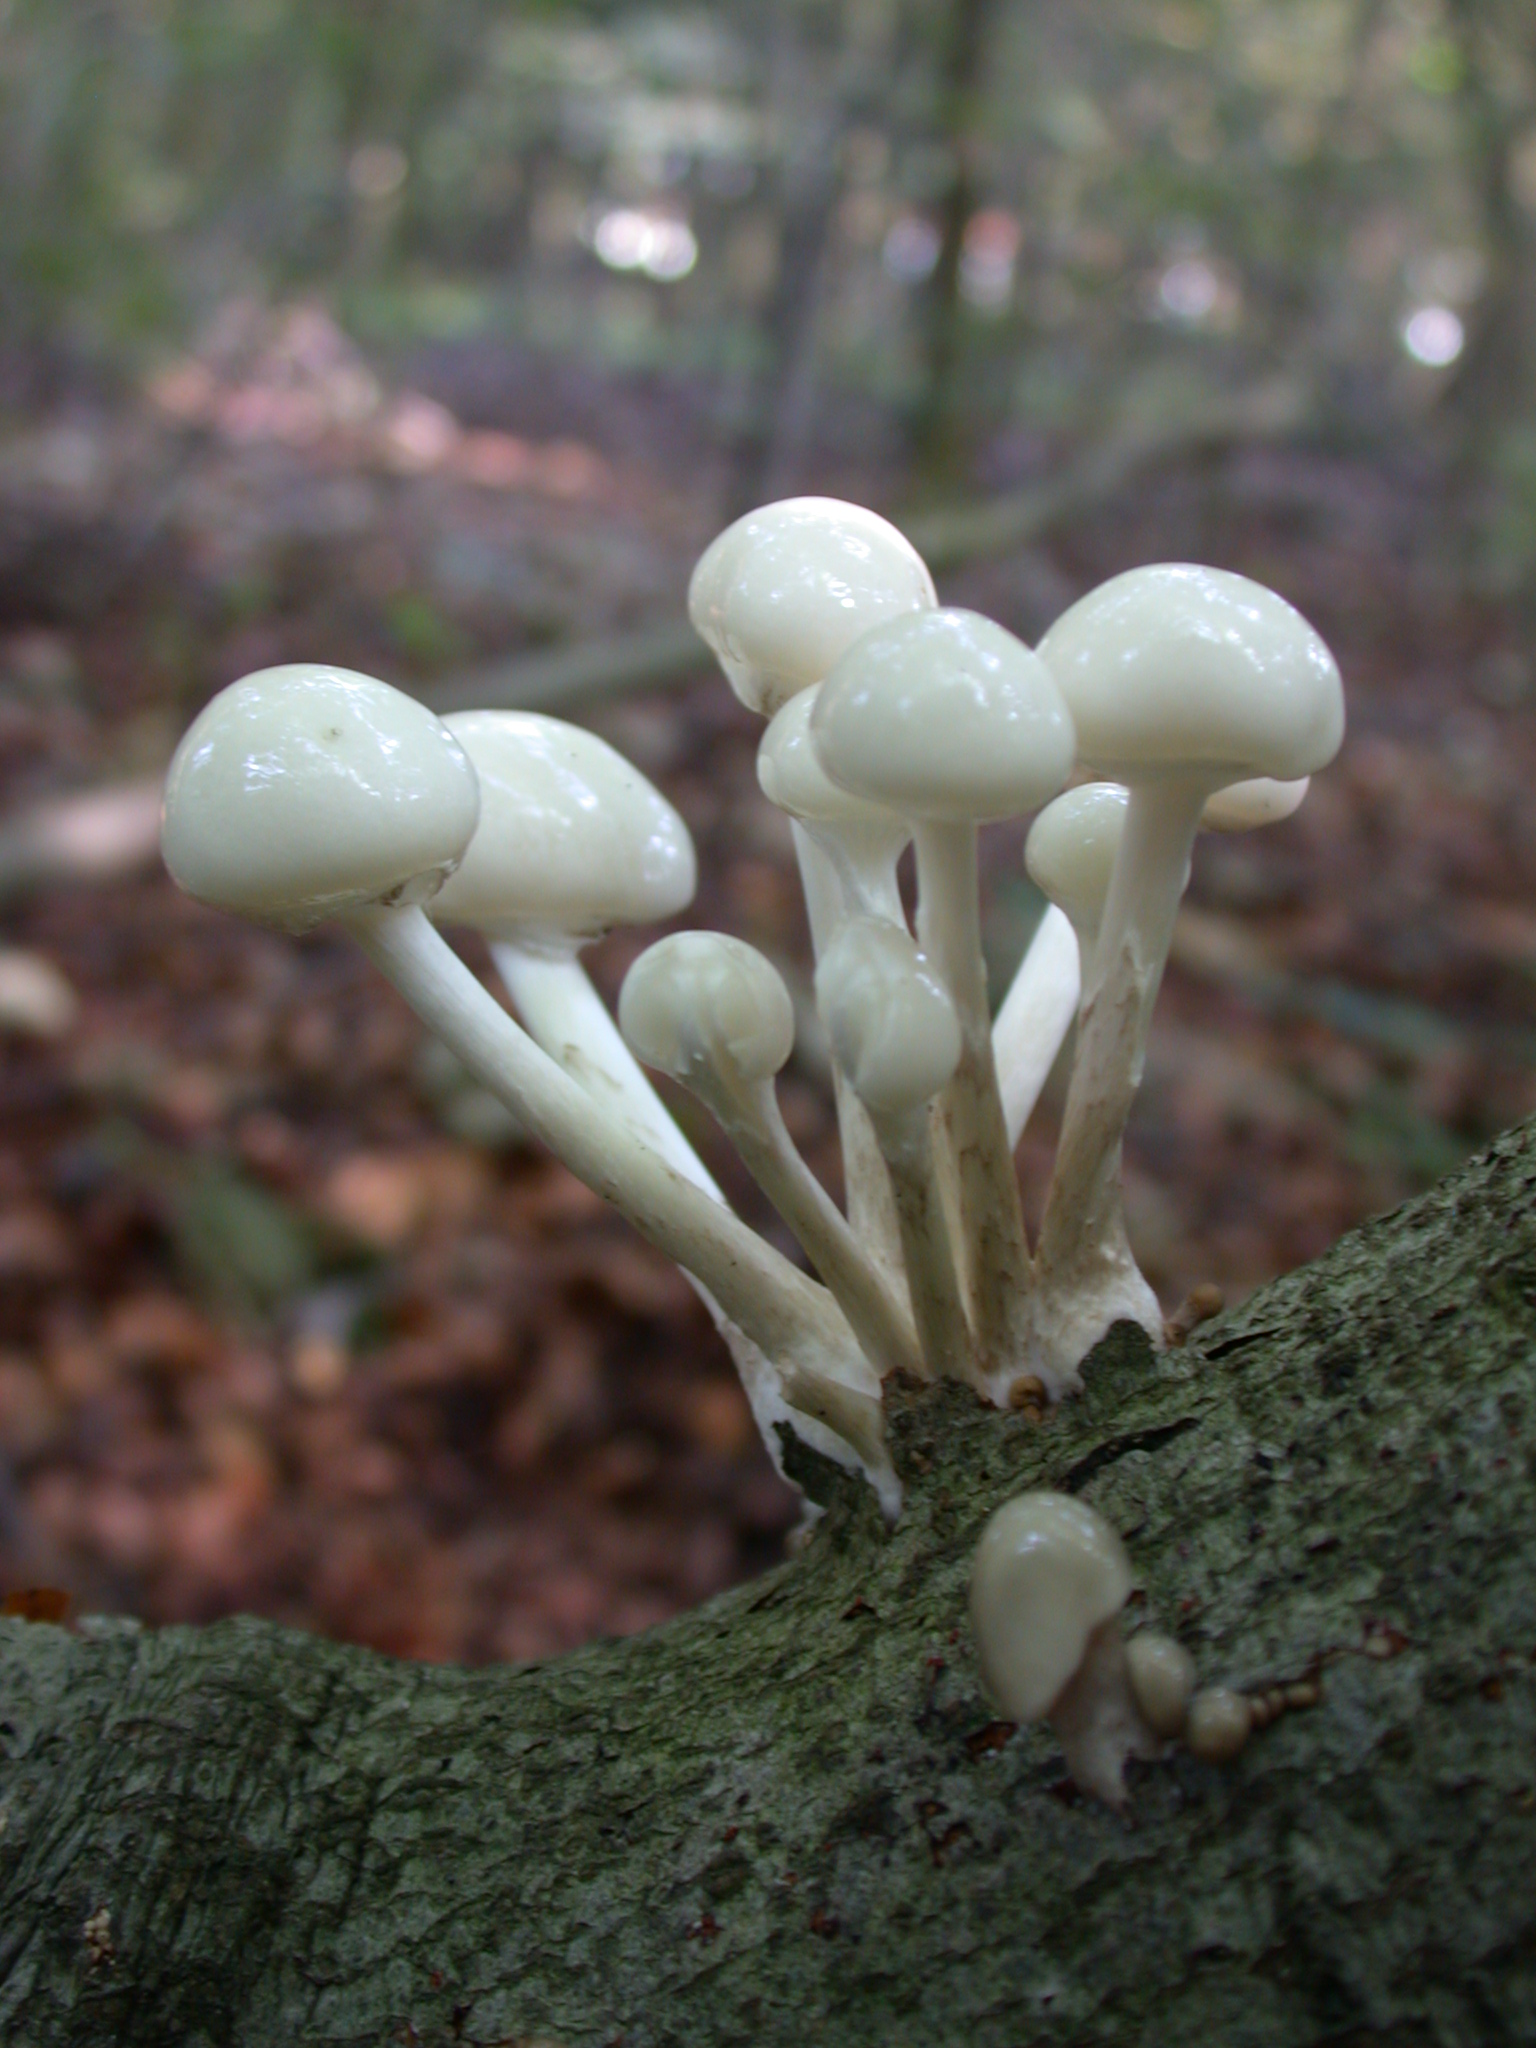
[563, 1013]
[1088, 1275]
[993, 1251]
[787, 1316]
[749, 1113]
[1031, 1027]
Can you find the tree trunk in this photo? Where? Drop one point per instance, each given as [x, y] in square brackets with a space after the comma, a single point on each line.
[792, 1817]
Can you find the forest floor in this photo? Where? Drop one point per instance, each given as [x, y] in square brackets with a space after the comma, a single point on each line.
[290, 1321]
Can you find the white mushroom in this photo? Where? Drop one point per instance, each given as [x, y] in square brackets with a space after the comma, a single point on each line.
[1181, 681]
[863, 841]
[305, 793]
[787, 589]
[1218, 1725]
[715, 1015]
[1162, 1674]
[951, 721]
[778, 597]
[897, 1038]
[1048, 1582]
[1070, 854]
[847, 852]
[571, 841]
[308, 792]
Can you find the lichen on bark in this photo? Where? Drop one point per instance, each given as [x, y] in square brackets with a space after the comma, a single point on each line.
[792, 1815]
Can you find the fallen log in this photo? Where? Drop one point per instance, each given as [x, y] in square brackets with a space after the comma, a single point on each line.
[792, 1816]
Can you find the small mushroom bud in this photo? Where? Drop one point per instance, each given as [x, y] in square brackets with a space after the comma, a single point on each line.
[890, 1018]
[700, 1004]
[1070, 853]
[711, 1012]
[1162, 1679]
[1218, 1725]
[896, 1036]
[1047, 1586]
[781, 594]
[307, 792]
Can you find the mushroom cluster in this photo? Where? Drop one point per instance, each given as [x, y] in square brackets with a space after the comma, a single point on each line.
[309, 792]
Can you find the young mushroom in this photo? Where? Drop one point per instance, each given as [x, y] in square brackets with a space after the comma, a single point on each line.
[897, 1038]
[310, 792]
[1048, 1582]
[848, 850]
[787, 589]
[947, 719]
[715, 1015]
[571, 841]
[1181, 681]
[778, 597]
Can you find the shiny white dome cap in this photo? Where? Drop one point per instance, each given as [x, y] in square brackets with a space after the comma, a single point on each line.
[1048, 1571]
[572, 839]
[701, 1002]
[1179, 667]
[1071, 848]
[944, 716]
[307, 791]
[781, 594]
[790, 774]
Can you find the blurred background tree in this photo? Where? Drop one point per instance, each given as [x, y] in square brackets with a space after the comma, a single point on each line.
[439, 341]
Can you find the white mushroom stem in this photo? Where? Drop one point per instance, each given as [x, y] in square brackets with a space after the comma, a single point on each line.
[1031, 1026]
[748, 1112]
[993, 1251]
[563, 1013]
[1088, 1277]
[1096, 1719]
[790, 1319]
[943, 1333]
[871, 1214]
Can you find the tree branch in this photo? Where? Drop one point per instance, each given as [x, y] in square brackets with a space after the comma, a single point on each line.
[792, 1815]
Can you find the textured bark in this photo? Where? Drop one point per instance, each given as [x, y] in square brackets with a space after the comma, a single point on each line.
[791, 1816]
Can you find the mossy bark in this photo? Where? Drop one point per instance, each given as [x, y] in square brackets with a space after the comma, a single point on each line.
[792, 1816]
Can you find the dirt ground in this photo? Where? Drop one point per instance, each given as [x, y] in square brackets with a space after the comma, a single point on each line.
[290, 1320]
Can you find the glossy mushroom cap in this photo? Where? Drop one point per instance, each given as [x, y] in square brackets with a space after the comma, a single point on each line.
[1244, 806]
[1162, 1676]
[1178, 667]
[944, 716]
[791, 776]
[699, 1003]
[1071, 848]
[891, 1020]
[572, 839]
[303, 792]
[781, 594]
[1048, 1572]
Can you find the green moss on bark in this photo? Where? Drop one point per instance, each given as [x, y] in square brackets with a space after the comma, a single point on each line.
[792, 1816]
